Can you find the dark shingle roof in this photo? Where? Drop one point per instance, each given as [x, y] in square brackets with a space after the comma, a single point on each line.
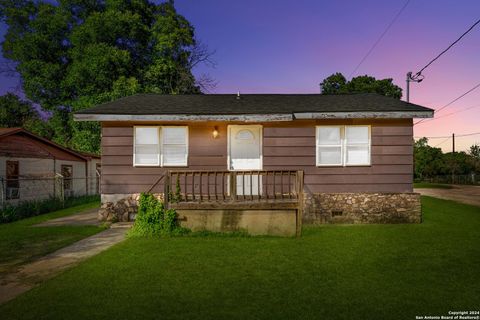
[229, 104]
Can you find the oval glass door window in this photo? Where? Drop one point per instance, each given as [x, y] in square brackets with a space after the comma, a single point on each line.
[245, 136]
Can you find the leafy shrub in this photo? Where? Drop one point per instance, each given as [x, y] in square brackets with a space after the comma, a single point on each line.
[177, 195]
[153, 219]
[26, 209]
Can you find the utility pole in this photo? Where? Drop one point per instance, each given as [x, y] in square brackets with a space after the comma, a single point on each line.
[412, 78]
[409, 76]
[453, 142]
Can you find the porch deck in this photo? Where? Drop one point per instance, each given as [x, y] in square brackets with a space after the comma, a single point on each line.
[235, 190]
[204, 186]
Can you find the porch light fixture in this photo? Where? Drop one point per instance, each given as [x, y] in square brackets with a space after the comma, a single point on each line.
[215, 132]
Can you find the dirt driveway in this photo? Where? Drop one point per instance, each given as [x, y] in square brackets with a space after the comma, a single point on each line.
[463, 194]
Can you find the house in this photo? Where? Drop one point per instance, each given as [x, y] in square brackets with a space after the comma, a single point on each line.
[261, 162]
[34, 168]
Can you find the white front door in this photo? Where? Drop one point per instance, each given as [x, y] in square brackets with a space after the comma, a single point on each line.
[245, 153]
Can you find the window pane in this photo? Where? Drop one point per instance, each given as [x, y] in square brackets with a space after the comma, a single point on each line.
[328, 135]
[12, 169]
[146, 135]
[67, 173]
[358, 155]
[329, 155]
[174, 154]
[12, 183]
[357, 134]
[146, 154]
[173, 135]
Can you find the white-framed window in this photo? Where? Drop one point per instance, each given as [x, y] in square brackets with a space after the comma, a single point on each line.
[329, 146]
[357, 145]
[343, 145]
[146, 147]
[160, 146]
[174, 146]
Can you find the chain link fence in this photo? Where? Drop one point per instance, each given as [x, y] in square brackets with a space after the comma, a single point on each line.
[469, 179]
[23, 189]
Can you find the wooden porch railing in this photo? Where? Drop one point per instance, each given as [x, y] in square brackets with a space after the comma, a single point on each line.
[233, 186]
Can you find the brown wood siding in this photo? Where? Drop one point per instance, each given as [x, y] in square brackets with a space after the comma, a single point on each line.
[19, 146]
[24, 146]
[120, 176]
[391, 169]
[286, 146]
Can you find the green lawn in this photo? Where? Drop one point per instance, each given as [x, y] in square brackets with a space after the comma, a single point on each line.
[332, 272]
[20, 242]
[429, 185]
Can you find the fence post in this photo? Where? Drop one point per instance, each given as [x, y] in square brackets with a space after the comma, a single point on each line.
[59, 180]
[4, 192]
[98, 182]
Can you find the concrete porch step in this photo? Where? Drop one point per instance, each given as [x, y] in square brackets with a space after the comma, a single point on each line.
[122, 225]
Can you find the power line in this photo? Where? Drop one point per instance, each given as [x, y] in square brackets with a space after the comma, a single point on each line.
[451, 102]
[441, 142]
[457, 135]
[379, 38]
[452, 113]
[429, 137]
[468, 134]
[453, 43]
[458, 98]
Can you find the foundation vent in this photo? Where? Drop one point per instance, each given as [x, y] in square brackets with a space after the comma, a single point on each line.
[337, 213]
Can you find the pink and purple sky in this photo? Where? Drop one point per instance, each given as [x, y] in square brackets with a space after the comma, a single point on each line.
[280, 46]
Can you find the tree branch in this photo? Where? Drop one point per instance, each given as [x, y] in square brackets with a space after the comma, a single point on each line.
[200, 53]
[206, 83]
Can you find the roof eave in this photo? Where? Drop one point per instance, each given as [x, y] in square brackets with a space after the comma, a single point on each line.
[184, 117]
[256, 117]
[365, 115]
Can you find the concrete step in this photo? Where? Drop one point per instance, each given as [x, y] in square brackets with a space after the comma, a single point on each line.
[122, 225]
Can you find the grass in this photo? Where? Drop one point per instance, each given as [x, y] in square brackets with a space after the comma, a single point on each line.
[26, 209]
[21, 243]
[429, 185]
[332, 272]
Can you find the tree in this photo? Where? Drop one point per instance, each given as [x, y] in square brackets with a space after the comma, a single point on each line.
[457, 163]
[338, 84]
[430, 162]
[16, 113]
[333, 84]
[73, 54]
[474, 153]
[427, 160]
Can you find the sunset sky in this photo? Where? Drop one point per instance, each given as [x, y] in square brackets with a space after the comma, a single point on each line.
[278, 46]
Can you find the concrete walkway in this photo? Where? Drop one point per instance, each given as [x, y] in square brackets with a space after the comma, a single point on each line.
[34, 273]
[83, 218]
[460, 193]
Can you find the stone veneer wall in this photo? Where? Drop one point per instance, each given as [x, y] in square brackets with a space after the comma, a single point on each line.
[120, 207]
[362, 208]
[319, 207]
